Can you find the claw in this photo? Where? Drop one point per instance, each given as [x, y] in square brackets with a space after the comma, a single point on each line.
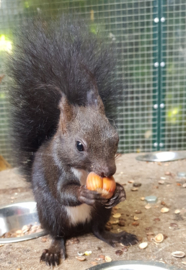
[50, 258]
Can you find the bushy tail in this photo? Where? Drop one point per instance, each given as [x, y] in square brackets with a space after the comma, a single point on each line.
[52, 56]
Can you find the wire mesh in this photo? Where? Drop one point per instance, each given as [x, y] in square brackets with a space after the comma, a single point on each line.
[174, 87]
[130, 24]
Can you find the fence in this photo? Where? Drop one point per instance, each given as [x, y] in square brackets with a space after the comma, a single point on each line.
[150, 36]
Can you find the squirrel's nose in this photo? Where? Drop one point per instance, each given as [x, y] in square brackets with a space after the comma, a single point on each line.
[109, 171]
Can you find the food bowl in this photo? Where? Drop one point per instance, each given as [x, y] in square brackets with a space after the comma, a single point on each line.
[162, 156]
[132, 265]
[14, 216]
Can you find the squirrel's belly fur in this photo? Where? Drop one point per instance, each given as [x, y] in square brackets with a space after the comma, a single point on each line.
[79, 214]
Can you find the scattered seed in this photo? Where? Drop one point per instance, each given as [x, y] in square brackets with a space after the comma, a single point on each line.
[159, 238]
[44, 239]
[80, 258]
[108, 259]
[26, 228]
[119, 252]
[151, 199]
[142, 198]
[163, 178]
[117, 215]
[138, 212]
[164, 210]
[136, 184]
[163, 203]
[168, 173]
[156, 219]
[121, 223]
[88, 252]
[131, 181]
[1, 245]
[114, 222]
[161, 182]
[147, 206]
[94, 263]
[178, 254]
[134, 189]
[136, 218]
[143, 245]
[135, 223]
[108, 227]
[19, 232]
[148, 229]
[117, 207]
[184, 262]
[173, 226]
[184, 185]
[80, 253]
[178, 184]
[177, 211]
[125, 249]
[102, 257]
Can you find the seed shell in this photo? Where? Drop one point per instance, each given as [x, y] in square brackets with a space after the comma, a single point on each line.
[159, 238]
[178, 254]
[134, 189]
[108, 259]
[88, 252]
[117, 215]
[81, 258]
[164, 210]
[143, 245]
[114, 222]
[147, 206]
[161, 182]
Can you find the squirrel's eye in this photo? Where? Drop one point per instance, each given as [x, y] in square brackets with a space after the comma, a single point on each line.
[79, 146]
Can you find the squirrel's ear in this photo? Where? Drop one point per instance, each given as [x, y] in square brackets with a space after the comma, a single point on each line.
[66, 113]
[94, 100]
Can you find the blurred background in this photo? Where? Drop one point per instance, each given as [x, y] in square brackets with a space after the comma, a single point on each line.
[150, 37]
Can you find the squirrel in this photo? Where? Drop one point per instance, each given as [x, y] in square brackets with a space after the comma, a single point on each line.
[62, 99]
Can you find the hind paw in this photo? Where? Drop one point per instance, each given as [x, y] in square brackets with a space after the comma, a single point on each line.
[50, 258]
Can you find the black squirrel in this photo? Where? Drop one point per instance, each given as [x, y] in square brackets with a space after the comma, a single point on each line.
[63, 98]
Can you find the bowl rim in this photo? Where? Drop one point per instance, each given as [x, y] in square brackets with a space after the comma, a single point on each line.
[146, 156]
[21, 238]
[138, 262]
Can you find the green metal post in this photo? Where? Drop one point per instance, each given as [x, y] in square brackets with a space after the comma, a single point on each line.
[158, 76]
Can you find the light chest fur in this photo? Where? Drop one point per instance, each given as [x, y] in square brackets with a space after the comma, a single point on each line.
[81, 213]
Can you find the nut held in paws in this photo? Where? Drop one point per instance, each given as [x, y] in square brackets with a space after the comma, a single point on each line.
[105, 186]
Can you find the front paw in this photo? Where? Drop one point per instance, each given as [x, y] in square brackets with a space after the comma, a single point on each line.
[90, 197]
[118, 196]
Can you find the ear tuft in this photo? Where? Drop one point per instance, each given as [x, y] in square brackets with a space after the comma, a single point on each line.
[94, 100]
[66, 113]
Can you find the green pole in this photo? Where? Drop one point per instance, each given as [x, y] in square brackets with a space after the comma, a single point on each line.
[159, 75]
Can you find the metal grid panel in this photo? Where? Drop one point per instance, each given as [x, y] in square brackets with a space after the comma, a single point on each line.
[130, 23]
[174, 81]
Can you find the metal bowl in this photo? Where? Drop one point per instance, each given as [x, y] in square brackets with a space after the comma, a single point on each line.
[14, 217]
[162, 156]
[132, 265]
